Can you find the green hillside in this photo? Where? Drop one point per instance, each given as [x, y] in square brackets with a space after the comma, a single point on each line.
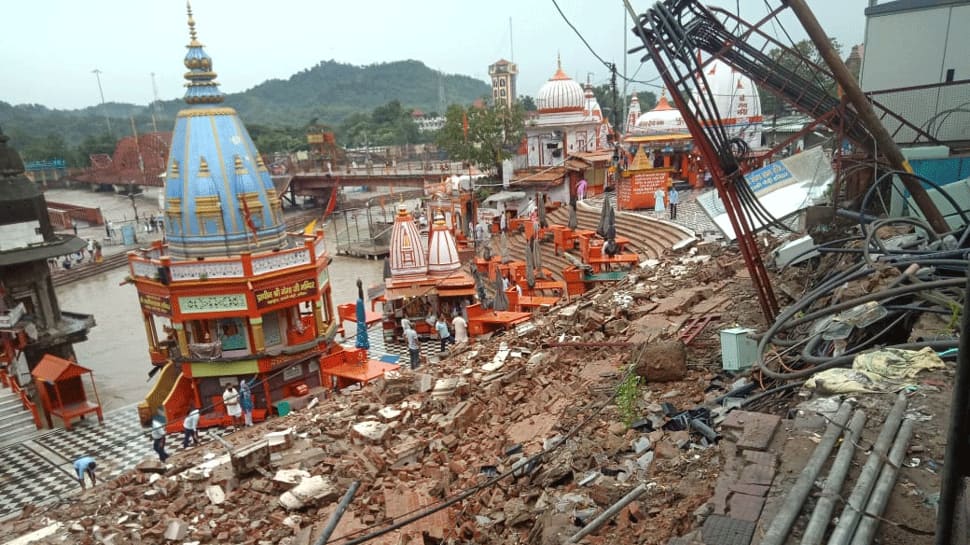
[328, 93]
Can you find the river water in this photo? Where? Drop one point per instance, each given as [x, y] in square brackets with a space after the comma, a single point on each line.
[117, 350]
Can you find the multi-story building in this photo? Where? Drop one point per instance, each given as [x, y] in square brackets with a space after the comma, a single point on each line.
[503, 75]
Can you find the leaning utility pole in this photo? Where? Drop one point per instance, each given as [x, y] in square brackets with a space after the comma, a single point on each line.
[883, 139]
[104, 108]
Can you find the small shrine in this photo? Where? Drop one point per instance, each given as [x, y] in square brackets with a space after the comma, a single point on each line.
[62, 392]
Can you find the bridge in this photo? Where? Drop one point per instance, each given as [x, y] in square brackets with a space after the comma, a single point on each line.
[405, 177]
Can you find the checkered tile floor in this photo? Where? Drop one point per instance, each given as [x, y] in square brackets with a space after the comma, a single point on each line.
[375, 335]
[42, 469]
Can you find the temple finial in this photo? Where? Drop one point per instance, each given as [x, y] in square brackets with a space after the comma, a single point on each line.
[192, 34]
[558, 61]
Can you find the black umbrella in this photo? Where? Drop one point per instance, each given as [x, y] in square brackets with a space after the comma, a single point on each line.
[573, 220]
[610, 228]
[541, 205]
[387, 268]
[537, 258]
[501, 301]
[479, 285]
[604, 213]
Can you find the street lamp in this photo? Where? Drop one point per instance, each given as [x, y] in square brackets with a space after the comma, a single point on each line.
[104, 108]
[134, 206]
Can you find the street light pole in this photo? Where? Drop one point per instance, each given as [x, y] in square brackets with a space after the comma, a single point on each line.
[135, 208]
[104, 108]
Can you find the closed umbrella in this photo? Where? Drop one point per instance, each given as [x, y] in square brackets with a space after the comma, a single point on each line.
[362, 340]
[537, 258]
[604, 214]
[530, 263]
[573, 220]
[479, 285]
[501, 302]
[541, 204]
[387, 268]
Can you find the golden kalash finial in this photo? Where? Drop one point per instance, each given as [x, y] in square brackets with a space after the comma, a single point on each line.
[192, 34]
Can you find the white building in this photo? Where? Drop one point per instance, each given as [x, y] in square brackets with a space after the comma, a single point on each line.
[568, 120]
[738, 106]
[920, 42]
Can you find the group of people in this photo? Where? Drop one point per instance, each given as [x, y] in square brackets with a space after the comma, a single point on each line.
[445, 337]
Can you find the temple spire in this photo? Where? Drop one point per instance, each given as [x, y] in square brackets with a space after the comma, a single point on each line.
[202, 86]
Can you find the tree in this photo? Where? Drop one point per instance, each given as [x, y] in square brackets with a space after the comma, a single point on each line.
[493, 134]
[528, 103]
[792, 60]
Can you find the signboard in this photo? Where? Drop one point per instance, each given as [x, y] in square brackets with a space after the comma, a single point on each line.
[636, 190]
[768, 178]
[156, 304]
[267, 297]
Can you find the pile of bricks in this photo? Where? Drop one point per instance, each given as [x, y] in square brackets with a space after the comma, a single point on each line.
[471, 425]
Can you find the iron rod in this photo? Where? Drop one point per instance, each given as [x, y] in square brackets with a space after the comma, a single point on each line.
[884, 487]
[778, 531]
[852, 511]
[821, 516]
[608, 514]
[335, 517]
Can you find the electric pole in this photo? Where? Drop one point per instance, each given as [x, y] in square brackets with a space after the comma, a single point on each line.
[104, 108]
[154, 104]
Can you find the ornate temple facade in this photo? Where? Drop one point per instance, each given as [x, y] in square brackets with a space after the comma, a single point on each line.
[568, 121]
[230, 295]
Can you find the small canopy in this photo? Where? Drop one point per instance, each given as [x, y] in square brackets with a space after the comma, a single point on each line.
[504, 196]
[54, 369]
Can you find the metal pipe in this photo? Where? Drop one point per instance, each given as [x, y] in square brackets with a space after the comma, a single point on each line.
[849, 519]
[608, 514]
[778, 531]
[335, 517]
[880, 135]
[884, 487]
[955, 463]
[822, 514]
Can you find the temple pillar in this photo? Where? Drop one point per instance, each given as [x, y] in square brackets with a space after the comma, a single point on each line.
[183, 342]
[149, 332]
[318, 317]
[259, 339]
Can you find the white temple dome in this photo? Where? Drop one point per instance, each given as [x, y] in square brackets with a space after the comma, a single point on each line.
[663, 118]
[561, 93]
[442, 250]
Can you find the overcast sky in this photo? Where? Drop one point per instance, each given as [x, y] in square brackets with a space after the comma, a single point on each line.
[48, 48]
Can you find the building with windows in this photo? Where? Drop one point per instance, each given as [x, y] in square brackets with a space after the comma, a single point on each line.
[503, 75]
[231, 296]
[568, 120]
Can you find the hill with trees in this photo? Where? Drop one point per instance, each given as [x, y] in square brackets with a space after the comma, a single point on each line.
[330, 93]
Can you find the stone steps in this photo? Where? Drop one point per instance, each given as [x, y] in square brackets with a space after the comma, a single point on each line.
[16, 423]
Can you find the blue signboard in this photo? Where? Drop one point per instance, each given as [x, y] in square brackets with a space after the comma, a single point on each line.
[775, 174]
[49, 164]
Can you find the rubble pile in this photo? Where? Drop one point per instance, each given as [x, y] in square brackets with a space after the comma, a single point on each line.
[530, 430]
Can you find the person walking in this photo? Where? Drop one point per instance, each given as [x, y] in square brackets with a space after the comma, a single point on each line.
[190, 427]
[581, 190]
[86, 465]
[673, 199]
[246, 402]
[461, 328]
[441, 326]
[414, 347]
[158, 434]
[230, 398]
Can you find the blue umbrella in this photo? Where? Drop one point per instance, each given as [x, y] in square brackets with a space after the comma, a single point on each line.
[362, 340]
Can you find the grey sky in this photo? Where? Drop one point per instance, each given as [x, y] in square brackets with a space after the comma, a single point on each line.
[48, 48]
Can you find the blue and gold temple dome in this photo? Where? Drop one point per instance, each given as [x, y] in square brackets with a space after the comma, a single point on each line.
[219, 197]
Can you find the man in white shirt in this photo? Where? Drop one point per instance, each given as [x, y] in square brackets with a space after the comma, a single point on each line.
[461, 329]
[414, 347]
[190, 427]
[230, 398]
